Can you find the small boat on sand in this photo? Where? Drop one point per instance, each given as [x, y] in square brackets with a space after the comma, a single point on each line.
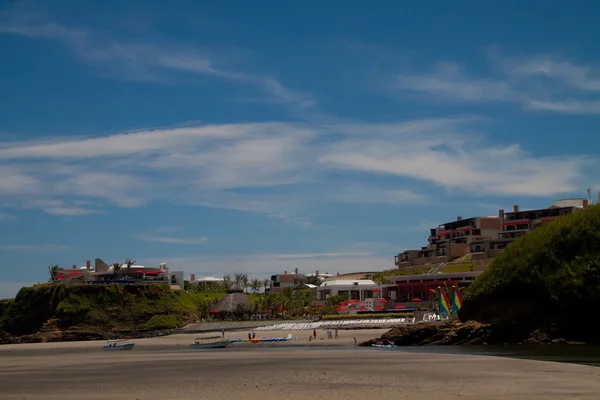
[118, 345]
[210, 342]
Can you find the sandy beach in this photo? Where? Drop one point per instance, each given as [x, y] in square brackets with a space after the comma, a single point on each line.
[163, 368]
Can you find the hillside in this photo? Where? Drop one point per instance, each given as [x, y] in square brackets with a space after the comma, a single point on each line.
[74, 312]
[544, 288]
[548, 279]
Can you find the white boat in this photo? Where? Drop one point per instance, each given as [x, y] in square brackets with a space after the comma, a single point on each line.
[118, 345]
[210, 342]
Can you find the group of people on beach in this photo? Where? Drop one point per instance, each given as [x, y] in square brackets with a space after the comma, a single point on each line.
[330, 334]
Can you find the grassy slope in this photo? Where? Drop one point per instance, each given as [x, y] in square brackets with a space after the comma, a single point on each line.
[552, 273]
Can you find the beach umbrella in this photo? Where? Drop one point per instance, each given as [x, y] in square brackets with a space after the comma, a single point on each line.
[356, 301]
[416, 300]
[382, 301]
[380, 308]
[363, 308]
[399, 307]
[340, 308]
[376, 290]
[279, 308]
[213, 311]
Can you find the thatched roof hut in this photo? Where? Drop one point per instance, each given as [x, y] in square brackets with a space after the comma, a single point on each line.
[235, 303]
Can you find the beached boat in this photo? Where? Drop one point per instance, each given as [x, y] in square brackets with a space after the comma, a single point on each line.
[210, 342]
[118, 345]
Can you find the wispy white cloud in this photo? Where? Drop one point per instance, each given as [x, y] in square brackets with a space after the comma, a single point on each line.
[7, 217]
[146, 61]
[173, 240]
[281, 170]
[539, 82]
[42, 248]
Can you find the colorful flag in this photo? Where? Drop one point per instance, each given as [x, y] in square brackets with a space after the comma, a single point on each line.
[444, 303]
[456, 300]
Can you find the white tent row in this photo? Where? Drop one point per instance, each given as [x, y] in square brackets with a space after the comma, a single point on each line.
[304, 326]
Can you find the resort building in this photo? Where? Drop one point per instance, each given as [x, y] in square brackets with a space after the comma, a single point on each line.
[517, 223]
[357, 289]
[206, 281]
[281, 281]
[483, 238]
[417, 288]
[104, 273]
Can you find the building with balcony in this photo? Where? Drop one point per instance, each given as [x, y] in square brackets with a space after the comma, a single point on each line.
[517, 223]
[484, 237]
[465, 230]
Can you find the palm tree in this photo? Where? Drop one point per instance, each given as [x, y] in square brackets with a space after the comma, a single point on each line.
[226, 281]
[244, 281]
[129, 262]
[116, 267]
[255, 285]
[54, 270]
[266, 283]
[287, 297]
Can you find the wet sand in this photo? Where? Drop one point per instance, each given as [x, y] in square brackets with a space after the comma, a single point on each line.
[162, 368]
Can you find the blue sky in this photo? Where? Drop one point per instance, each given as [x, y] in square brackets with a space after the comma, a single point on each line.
[230, 137]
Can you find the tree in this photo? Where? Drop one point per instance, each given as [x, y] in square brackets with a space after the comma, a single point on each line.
[255, 285]
[237, 278]
[226, 281]
[54, 270]
[244, 281]
[266, 284]
[116, 267]
[129, 262]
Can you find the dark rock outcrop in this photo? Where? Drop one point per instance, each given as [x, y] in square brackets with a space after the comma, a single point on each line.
[462, 333]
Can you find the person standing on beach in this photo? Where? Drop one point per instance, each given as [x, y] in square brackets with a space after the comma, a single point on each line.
[337, 336]
[315, 333]
[253, 335]
[223, 333]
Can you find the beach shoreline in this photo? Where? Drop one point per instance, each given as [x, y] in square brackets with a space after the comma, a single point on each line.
[162, 368]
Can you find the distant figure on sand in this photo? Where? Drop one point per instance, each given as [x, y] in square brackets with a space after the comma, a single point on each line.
[354, 342]
[253, 335]
[315, 333]
[329, 334]
[337, 336]
[223, 333]
[249, 335]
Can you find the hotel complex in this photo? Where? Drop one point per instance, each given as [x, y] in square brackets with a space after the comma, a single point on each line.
[456, 253]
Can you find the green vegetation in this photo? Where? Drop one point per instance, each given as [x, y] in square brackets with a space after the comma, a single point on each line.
[380, 276]
[458, 267]
[98, 307]
[551, 276]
